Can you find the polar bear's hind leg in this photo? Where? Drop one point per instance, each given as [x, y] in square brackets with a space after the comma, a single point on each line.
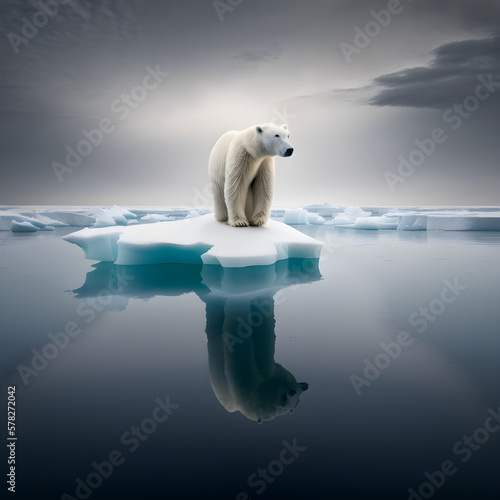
[220, 207]
[249, 204]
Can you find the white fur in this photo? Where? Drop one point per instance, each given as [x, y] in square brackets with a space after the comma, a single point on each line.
[241, 171]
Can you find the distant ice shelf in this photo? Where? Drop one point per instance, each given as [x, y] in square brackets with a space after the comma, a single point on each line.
[30, 219]
[419, 220]
[196, 240]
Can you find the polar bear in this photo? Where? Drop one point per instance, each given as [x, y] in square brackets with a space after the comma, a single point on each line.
[241, 171]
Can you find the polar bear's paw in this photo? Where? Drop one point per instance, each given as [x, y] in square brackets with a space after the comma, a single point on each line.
[258, 220]
[237, 222]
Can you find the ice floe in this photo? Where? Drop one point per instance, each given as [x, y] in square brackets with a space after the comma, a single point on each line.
[419, 220]
[196, 240]
[296, 216]
[23, 227]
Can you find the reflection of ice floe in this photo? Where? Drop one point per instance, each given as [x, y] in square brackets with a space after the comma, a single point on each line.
[196, 240]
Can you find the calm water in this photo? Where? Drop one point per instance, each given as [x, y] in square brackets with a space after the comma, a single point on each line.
[149, 382]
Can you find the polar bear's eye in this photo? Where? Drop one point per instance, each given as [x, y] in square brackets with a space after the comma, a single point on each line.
[276, 135]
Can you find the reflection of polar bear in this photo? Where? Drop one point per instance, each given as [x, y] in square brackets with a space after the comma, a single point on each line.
[243, 372]
[241, 171]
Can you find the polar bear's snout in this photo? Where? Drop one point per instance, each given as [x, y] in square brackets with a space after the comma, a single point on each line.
[285, 149]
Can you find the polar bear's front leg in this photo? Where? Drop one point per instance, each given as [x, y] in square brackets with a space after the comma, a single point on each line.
[235, 194]
[262, 191]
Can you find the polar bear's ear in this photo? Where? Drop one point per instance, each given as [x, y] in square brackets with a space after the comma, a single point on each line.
[285, 126]
[304, 386]
[259, 129]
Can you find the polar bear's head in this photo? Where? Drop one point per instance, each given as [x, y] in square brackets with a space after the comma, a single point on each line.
[274, 139]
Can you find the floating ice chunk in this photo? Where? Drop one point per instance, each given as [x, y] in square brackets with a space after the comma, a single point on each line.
[23, 227]
[123, 211]
[277, 213]
[386, 222]
[296, 216]
[192, 214]
[412, 222]
[314, 218]
[48, 221]
[448, 220]
[170, 212]
[477, 222]
[196, 240]
[324, 210]
[328, 211]
[48, 228]
[155, 218]
[340, 220]
[349, 216]
[99, 243]
[372, 223]
[365, 223]
[71, 218]
[204, 211]
[117, 215]
[355, 212]
[7, 217]
[102, 218]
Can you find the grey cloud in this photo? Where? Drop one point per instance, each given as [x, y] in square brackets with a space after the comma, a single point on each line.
[452, 75]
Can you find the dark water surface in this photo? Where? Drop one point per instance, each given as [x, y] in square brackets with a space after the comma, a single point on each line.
[150, 381]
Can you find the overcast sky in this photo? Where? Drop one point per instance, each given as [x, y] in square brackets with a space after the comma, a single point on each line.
[388, 102]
